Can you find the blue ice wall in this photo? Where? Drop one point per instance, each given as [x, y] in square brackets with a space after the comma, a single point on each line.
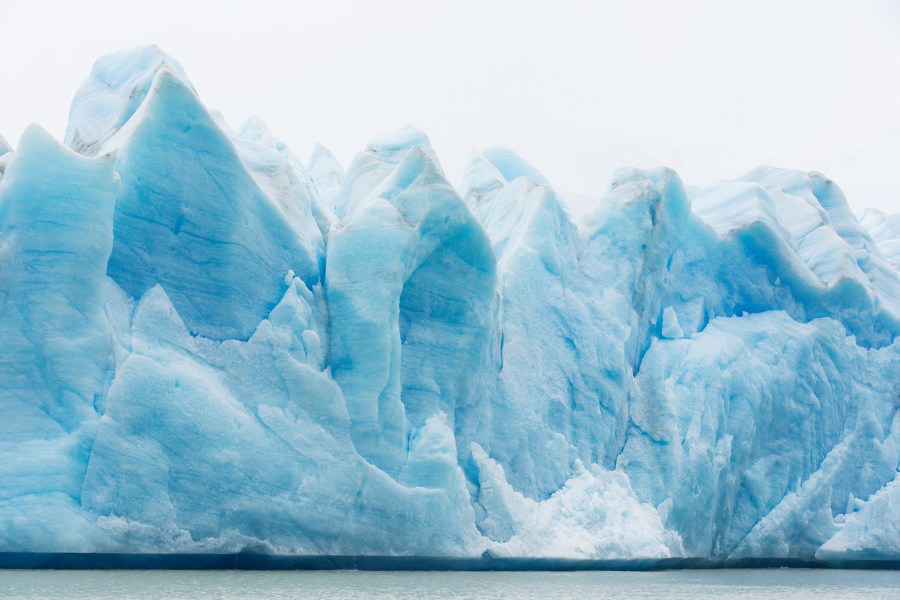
[210, 346]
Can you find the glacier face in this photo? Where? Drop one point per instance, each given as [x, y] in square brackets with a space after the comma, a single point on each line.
[210, 346]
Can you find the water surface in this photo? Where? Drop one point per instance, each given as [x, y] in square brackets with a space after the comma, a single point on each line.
[764, 584]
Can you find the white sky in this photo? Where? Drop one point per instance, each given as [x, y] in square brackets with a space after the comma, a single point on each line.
[709, 88]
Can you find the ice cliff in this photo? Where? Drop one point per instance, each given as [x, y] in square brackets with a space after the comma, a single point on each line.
[210, 346]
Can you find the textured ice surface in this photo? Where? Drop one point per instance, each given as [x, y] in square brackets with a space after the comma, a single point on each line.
[6, 153]
[209, 346]
[885, 231]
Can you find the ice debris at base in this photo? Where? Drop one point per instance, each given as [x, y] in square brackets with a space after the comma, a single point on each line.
[209, 346]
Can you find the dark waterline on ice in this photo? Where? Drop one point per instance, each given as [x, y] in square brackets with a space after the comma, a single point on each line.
[257, 562]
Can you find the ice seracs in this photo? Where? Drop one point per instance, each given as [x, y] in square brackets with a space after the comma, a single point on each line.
[410, 290]
[209, 346]
[58, 355]
[115, 89]
[189, 215]
[6, 153]
[884, 229]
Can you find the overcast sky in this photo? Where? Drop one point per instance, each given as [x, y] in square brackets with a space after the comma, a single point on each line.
[577, 88]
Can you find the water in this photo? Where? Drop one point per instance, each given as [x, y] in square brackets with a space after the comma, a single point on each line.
[746, 584]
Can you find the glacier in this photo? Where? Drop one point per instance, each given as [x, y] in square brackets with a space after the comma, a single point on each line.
[210, 346]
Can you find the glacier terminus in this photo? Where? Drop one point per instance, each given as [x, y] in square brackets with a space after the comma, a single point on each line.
[210, 346]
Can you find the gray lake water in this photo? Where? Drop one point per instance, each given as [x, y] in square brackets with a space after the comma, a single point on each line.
[768, 584]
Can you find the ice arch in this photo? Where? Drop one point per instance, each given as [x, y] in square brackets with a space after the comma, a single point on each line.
[411, 284]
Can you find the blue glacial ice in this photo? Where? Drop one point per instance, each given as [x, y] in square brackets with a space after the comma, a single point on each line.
[210, 346]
